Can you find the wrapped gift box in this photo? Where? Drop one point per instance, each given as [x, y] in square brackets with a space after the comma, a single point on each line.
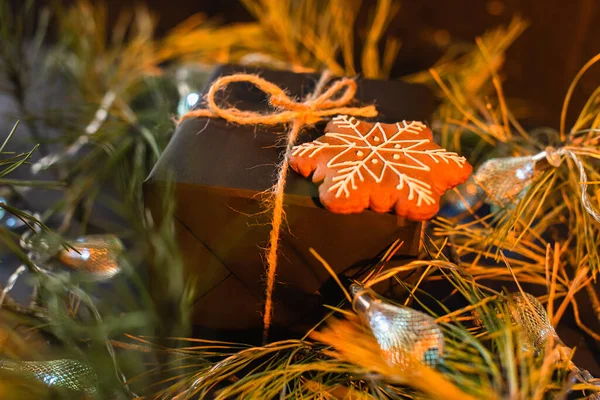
[220, 171]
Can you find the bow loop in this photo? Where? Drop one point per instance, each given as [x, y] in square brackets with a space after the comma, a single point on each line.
[316, 107]
[338, 95]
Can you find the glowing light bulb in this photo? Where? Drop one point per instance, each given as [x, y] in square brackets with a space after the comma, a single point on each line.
[403, 334]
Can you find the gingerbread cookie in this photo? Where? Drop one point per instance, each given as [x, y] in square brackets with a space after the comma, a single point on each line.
[379, 166]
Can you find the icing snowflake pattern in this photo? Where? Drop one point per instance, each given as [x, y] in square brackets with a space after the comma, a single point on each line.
[381, 166]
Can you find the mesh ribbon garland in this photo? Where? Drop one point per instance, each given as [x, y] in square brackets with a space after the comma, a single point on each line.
[322, 103]
[68, 374]
[530, 315]
[404, 334]
[506, 178]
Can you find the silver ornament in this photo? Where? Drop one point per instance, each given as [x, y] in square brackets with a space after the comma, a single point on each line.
[402, 333]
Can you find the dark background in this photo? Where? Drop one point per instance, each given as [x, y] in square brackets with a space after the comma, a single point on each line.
[562, 36]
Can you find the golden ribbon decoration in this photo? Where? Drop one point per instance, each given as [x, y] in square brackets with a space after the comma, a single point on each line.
[317, 106]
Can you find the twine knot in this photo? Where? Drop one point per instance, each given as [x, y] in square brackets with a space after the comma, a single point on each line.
[317, 106]
[554, 156]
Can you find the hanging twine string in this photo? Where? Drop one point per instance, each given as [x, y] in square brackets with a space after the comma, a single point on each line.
[554, 158]
[316, 107]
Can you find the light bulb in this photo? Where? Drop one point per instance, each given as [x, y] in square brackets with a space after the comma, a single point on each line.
[402, 333]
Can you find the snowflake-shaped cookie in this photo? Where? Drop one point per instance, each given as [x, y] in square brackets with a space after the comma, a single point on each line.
[380, 166]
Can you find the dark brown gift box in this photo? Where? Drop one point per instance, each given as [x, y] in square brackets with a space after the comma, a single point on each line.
[220, 170]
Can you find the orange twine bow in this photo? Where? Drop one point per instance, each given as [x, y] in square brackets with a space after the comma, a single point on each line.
[317, 106]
